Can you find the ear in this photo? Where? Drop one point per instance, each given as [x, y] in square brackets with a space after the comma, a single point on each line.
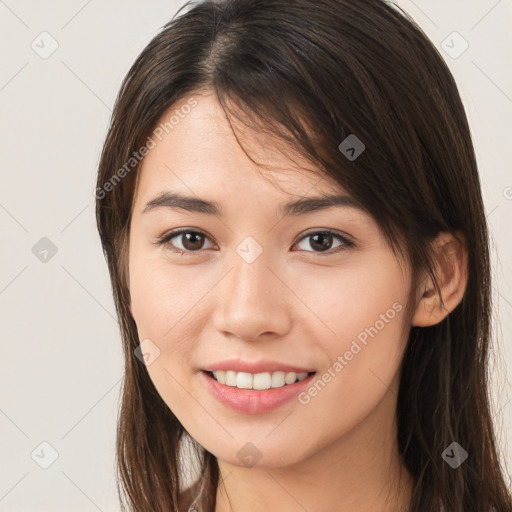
[452, 276]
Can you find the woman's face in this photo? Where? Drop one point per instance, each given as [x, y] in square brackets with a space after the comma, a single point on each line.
[258, 284]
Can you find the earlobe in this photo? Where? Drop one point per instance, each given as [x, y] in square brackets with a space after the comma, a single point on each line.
[452, 275]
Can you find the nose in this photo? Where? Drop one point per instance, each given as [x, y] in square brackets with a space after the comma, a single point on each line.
[252, 301]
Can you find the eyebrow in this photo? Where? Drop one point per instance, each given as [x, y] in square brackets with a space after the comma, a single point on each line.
[298, 207]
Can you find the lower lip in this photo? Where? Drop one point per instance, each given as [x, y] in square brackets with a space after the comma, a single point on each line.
[253, 401]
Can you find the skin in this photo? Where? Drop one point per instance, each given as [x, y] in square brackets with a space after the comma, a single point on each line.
[294, 303]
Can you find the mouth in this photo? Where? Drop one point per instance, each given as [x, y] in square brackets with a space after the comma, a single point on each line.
[264, 381]
[261, 395]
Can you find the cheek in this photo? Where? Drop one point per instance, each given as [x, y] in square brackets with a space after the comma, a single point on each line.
[166, 308]
[164, 312]
[363, 333]
[354, 299]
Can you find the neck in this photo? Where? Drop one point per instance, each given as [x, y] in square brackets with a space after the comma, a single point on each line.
[360, 471]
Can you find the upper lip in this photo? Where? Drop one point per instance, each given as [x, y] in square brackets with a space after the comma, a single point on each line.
[261, 366]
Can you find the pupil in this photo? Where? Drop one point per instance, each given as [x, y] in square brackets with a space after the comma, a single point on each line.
[188, 236]
[322, 236]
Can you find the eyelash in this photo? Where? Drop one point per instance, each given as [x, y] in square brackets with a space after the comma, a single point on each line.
[347, 244]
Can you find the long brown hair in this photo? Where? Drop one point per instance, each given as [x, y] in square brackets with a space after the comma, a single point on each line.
[313, 73]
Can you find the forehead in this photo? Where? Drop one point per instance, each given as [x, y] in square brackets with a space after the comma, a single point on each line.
[196, 152]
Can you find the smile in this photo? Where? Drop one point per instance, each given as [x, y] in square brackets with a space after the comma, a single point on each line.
[255, 401]
[258, 381]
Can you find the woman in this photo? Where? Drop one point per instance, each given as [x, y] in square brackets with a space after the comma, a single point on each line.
[290, 208]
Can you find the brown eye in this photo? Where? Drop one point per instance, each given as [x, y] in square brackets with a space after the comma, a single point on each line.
[188, 240]
[322, 241]
[192, 241]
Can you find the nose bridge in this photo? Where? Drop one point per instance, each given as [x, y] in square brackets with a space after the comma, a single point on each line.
[250, 302]
[248, 281]
[249, 272]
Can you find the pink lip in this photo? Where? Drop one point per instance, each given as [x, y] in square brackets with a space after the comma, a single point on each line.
[253, 401]
[261, 366]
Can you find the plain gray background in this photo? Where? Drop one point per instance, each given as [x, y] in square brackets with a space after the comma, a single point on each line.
[61, 363]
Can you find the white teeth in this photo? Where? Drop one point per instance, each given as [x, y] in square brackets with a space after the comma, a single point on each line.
[230, 378]
[278, 379]
[290, 378]
[259, 381]
[243, 380]
[220, 375]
